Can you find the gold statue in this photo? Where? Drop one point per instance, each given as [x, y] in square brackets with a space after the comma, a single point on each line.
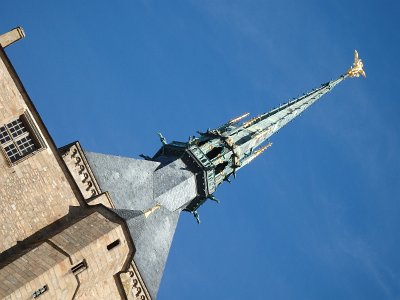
[357, 67]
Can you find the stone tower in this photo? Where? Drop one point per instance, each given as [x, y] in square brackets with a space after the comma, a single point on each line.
[84, 225]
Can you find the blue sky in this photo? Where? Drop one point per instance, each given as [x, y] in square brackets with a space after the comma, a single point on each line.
[317, 215]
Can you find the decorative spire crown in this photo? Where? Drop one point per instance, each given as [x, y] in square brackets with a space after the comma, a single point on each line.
[216, 155]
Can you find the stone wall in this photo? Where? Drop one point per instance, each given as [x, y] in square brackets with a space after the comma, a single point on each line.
[41, 270]
[81, 260]
[35, 191]
[76, 161]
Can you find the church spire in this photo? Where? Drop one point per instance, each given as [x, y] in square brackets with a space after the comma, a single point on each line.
[217, 154]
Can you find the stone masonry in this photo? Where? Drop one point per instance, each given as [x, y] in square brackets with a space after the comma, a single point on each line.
[59, 238]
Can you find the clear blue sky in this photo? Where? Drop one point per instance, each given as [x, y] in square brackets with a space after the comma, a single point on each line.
[317, 215]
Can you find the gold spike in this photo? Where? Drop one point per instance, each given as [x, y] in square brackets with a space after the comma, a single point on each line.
[235, 120]
[251, 121]
[357, 67]
[262, 149]
[148, 212]
[262, 134]
[259, 151]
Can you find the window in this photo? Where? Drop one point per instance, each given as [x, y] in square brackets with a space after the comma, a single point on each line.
[113, 245]
[17, 139]
[40, 291]
[79, 267]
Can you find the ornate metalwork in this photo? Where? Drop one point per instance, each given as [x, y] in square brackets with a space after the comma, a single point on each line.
[357, 69]
[218, 153]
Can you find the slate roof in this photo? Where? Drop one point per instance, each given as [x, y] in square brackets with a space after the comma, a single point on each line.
[136, 185]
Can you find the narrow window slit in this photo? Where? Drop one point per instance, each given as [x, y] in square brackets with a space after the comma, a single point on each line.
[113, 245]
[79, 267]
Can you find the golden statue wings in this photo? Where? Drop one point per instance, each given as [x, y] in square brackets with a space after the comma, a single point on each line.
[357, 67]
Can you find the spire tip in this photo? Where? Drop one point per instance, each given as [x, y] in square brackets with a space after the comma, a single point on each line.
[357, 67]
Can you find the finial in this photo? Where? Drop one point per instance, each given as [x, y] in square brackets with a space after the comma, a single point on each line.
[251, 121]
[162, 138]
[357, 67]
[259, 151]
[235, 120]
[148, 212]
[262, 134]
[222, 128]
[196, 215]
[262, 149]
[213, 198]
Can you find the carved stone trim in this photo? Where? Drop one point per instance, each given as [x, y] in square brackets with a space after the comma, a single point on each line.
[76, 162]
[133, 284]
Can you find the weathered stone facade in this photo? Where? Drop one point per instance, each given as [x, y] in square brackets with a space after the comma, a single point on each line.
[95, 244]
[75, 159]
[59, 238]
[34, 192]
